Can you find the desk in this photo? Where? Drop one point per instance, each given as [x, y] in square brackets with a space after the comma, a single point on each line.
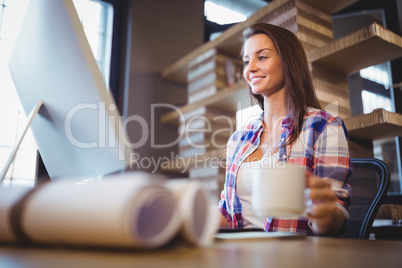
[277, 253]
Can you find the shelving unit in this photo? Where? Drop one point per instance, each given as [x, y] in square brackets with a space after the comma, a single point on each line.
[331, 62]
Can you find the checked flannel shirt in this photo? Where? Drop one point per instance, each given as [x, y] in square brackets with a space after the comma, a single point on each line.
[321, 148]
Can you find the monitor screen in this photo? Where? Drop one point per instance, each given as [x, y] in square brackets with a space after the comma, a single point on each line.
[78, 130]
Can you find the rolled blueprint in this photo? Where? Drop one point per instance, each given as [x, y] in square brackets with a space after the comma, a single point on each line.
[199, 218]
[9, 198]
[128, 210]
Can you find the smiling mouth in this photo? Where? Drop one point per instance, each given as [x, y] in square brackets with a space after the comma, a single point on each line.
[255, 79]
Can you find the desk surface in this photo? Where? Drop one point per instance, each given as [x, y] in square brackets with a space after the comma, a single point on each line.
[301, 252]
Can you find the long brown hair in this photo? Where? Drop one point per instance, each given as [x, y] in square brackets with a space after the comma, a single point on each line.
[299, 89]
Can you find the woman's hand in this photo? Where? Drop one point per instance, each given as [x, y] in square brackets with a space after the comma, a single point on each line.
[325, 217]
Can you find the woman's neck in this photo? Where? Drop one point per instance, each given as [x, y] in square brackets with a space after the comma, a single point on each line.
[274, 109]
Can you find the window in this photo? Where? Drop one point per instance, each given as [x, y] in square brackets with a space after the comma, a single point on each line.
[372, 101]
[378, 74]
[96, 17]
[13, 119]
[221, 14]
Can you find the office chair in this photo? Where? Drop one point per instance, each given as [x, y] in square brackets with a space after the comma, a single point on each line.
[370, 182]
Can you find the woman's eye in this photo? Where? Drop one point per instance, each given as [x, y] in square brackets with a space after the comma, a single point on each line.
[262, 57]
[245, 63]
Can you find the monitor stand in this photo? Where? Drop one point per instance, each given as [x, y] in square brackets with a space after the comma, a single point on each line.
[10, 160]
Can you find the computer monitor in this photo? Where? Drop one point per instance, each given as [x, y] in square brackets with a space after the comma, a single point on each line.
[78, 130]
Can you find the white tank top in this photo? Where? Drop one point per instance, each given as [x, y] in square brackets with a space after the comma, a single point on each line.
[244, 189]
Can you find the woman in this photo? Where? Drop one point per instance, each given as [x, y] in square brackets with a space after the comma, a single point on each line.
[291, 128]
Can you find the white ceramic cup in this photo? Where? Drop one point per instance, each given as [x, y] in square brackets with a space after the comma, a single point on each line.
[278, 191]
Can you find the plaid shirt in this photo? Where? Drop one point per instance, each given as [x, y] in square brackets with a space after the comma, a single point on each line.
[321, 148]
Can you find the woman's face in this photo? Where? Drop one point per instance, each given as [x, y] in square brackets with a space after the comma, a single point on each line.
[262, 66]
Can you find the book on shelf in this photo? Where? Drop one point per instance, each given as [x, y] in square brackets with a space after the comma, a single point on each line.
[130, 210]
[208, 80]
[204, 70]
[312, 26]
[233, 72]
[199, 129]
[201, 142]
[210, 72]
[204, 129]
[211, 60]
[201, 94]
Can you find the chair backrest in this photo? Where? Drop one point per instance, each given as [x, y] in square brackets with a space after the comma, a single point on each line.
[370, 182]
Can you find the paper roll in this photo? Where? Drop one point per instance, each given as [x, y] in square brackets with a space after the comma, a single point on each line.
[130, 210]
[199, 223]
[9, 197]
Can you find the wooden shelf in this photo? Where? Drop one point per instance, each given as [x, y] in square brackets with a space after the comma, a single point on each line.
[329, 7]
[230, 98]
[367, 47]
[230, 41]
[379, 124]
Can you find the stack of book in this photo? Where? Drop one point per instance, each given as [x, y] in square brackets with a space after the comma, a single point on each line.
[204, 129]
[312, 26]
[210, 72]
